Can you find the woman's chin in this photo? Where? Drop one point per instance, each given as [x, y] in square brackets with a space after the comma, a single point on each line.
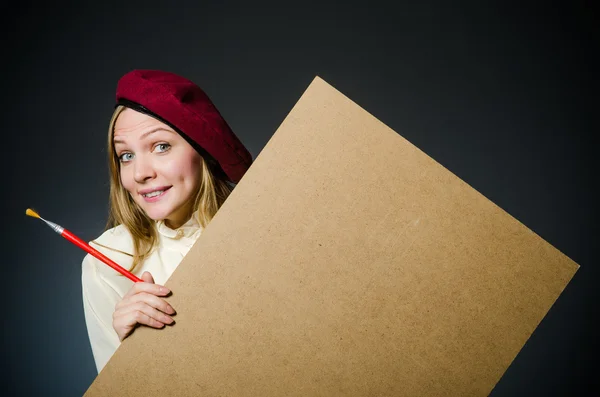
[157, 215]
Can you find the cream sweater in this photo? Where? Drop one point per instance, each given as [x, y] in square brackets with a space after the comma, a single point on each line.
[103, 287]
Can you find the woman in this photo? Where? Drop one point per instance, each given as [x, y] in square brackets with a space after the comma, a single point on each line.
[172, 160]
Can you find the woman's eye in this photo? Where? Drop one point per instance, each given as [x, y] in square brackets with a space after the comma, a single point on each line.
[125, 157]
[163, 147]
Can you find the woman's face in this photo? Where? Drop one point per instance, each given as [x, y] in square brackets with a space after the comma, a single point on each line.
[160, 170]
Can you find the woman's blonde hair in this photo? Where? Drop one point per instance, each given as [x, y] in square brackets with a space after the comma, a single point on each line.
[123, 210]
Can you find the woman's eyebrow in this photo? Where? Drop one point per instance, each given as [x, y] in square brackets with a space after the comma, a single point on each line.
[145, 134]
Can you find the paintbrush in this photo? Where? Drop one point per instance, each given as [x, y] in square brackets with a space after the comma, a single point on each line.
[85, 246]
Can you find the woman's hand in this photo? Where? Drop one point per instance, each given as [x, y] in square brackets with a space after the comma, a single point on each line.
[142, 305]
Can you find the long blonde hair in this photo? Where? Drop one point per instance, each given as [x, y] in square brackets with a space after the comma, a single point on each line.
[124, 211]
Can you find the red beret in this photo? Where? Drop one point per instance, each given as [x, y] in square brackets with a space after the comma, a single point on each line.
[183, 106]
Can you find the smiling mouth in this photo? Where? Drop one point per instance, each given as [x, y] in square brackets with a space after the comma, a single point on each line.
[155, 193]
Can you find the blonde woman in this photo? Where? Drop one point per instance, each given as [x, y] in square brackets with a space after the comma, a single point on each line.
[173, 161]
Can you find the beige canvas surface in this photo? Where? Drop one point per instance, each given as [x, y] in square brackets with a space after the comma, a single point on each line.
[347, 262]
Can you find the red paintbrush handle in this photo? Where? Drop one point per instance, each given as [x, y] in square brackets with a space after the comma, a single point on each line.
[86, 247]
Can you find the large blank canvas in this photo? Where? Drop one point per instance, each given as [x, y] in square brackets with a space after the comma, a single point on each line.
[347, 262]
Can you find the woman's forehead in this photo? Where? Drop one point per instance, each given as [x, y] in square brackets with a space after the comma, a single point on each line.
[133, 122]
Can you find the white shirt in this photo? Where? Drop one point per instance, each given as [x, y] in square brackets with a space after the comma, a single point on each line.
[103, 287]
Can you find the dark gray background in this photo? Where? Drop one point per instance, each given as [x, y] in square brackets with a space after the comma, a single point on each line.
[502, 94]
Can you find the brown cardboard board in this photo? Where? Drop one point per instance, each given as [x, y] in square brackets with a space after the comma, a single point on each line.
[346, 262]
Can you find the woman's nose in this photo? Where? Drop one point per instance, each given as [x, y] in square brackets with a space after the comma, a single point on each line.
[143, 169]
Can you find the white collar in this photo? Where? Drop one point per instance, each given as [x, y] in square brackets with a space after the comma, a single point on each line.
[188, 229]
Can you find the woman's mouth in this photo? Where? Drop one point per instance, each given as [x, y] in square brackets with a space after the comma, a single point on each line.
[154, 195]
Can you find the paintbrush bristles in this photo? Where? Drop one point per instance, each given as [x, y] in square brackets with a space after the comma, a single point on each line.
[32, 213]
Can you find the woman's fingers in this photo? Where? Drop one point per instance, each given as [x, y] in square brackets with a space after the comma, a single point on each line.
[147, 277]
[154, 289]
[125, 324]
[143, 313]
[149, 299]
[147, 286]
[142, 305]
[130, 315]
